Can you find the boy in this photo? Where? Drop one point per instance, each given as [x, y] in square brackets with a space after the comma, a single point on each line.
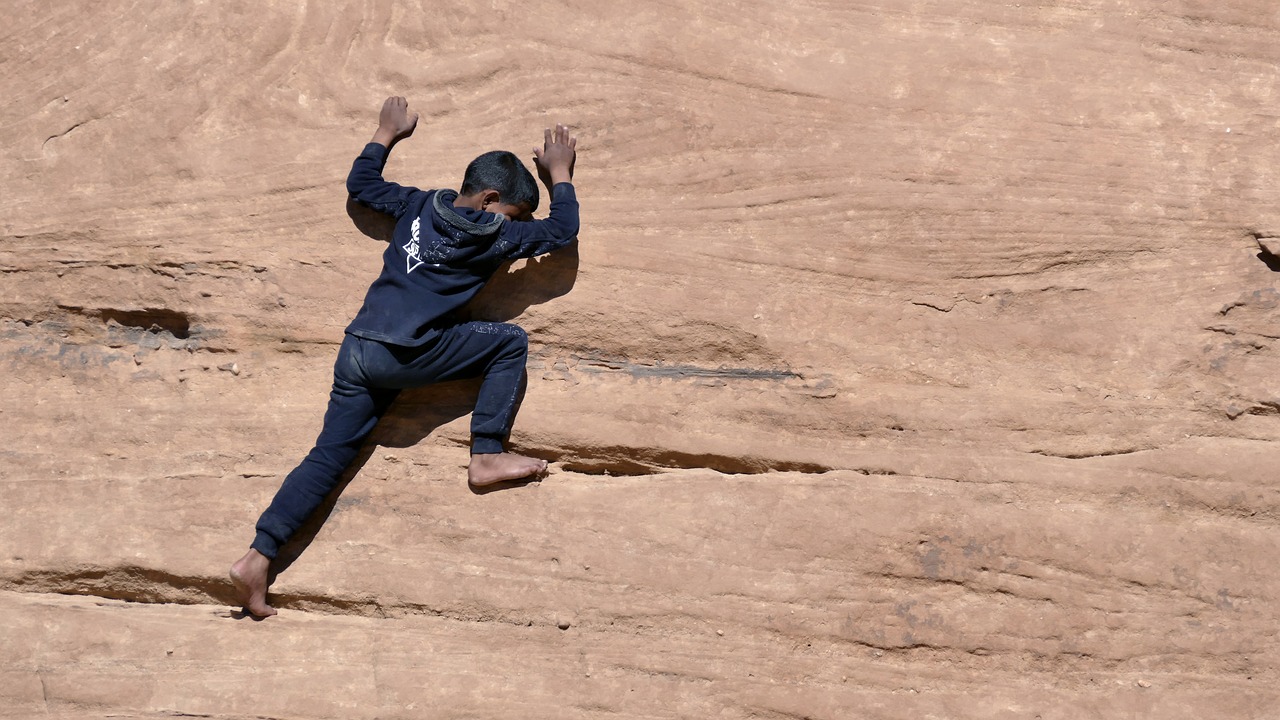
[445, 247]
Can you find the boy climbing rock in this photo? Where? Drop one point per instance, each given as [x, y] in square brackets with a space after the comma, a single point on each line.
[446, 245]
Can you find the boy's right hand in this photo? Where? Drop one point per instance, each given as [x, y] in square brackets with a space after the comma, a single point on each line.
[556, 158]
[394, 122]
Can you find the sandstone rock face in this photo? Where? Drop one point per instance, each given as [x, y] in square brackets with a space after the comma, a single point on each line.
[916, 360]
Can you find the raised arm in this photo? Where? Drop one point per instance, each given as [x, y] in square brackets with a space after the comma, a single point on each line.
[555, 161]
[365, 182]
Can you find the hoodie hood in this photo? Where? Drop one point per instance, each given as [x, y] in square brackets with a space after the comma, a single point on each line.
[442, 203]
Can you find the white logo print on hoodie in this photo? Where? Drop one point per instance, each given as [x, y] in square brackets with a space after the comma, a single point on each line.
[414, 261]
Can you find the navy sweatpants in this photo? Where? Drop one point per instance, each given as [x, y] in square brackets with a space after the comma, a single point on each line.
[367, 377]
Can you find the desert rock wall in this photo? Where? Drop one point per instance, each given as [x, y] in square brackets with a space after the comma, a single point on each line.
[916, 359]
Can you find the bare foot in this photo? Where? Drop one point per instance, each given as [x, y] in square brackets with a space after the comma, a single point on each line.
[249, 574]
[491, 468]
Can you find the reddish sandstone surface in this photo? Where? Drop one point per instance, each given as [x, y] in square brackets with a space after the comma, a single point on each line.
[917, 360]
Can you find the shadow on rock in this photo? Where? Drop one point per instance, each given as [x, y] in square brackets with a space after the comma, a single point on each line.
[371, 223]
[521, 284]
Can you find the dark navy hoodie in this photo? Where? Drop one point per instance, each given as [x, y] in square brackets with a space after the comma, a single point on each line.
[440, 256]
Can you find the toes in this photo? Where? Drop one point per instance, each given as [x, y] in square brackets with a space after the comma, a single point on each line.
[263, 611]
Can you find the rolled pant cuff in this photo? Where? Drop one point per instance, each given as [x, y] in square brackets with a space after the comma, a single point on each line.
[266, 545]
[485, 445]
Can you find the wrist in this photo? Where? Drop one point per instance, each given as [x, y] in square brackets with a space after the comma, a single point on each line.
[560, 176]
[384, 136]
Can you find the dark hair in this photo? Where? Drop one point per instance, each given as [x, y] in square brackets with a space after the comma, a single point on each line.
[502, 171]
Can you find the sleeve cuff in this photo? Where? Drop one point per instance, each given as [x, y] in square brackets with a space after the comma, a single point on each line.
[375, 151]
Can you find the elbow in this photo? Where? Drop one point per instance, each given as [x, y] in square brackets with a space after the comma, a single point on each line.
[569, 230]
[361, 178]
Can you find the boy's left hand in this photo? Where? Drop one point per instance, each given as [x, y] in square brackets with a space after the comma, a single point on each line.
[394, 122]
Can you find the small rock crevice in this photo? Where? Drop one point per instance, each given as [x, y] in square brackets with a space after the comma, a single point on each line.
[148, 328]
[1086, 455]
[152, 320]
[620, 461]
[597, 364]
[150, 586]
[1259, 407]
